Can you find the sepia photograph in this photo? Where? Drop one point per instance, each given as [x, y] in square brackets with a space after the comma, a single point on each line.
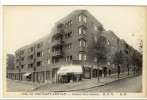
[87, 51]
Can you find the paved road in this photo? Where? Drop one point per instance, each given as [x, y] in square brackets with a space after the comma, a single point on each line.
[129, 85]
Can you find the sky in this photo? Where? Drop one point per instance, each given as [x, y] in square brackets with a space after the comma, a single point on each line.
[23, 25]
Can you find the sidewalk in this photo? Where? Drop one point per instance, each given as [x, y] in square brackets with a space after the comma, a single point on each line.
[81, 85]
[20, 86]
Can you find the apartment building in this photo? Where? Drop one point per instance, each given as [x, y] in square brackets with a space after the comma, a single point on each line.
[66, 45]
[10, 64]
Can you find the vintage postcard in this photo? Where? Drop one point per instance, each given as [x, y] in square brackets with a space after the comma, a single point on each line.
[74, 51]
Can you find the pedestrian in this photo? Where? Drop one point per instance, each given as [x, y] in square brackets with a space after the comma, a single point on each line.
[109, 72]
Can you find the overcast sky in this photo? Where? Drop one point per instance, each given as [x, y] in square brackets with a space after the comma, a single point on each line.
[23, 25]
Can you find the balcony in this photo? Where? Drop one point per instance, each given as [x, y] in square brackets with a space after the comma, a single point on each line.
[58, 33]
[82, 36]
[57, 43]
[82, 49]
[57, 54]
[82, 23]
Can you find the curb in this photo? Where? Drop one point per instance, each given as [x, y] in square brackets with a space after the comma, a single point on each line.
[99, 85]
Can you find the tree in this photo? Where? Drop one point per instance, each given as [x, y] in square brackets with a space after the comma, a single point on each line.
[119, 59]
[140, 45]
[97, 51]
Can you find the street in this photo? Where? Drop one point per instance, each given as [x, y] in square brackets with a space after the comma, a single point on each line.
[109, 84]
[129, 85]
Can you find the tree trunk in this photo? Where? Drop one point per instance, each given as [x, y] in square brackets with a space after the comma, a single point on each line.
[118, 70]
[98, 73]
[128, 70]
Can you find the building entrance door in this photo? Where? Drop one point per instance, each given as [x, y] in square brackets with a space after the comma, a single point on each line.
[94, 73]
[105, 71]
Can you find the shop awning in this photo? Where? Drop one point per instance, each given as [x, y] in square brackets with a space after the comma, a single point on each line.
[27, 74]
[70, 69]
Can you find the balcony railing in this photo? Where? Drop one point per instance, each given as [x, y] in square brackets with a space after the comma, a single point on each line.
[58, 33]
[83, 49]
[58, 43]
[82, 36]
[57, 53]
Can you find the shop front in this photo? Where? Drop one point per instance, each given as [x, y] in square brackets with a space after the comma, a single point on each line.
[95, 72]
[69, 73]
[87, 72]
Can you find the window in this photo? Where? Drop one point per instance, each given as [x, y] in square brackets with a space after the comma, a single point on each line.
[70, 57]
[108, 42]
[65, 46]
[17, 67]
[39, 45]
[65, 24]
[40, 63]
[48, 61]
[80, 43]
[108, 63]
[49, 41]
[66, 58]
[68, 35]
[49, 50]
[30, 57]
[68, 24]
[85, 57]
[95, 38]
[71, 22]
[65, 35]
[80, 18]
[22, 66]
[22, 59]
[85, 43]
[113, 65]
[84, 19]
[30, 49]
[68, 46]
[30, 65]
[95, 28]
[82, 30]
[39, 54]
[80, 56]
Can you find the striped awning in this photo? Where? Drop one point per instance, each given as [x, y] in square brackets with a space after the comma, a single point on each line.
[27, 74]
[70, 69]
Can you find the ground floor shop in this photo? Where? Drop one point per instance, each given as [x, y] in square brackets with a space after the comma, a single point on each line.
[66, 74]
